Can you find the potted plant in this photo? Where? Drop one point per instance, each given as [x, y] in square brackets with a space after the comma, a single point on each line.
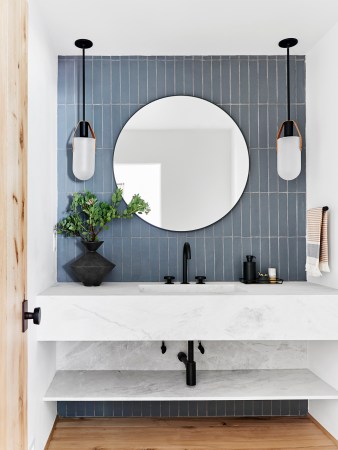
[86, 219]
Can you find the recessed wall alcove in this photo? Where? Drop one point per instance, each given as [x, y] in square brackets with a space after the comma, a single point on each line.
[269, 219]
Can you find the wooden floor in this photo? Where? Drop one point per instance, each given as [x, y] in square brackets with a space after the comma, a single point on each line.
[188, 434]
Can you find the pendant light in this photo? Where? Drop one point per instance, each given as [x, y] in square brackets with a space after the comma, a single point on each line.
[83, 145]
[289, 147]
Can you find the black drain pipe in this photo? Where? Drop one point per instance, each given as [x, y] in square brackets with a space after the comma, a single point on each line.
[190, 364]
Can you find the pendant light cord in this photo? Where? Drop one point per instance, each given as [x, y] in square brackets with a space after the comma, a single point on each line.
[83, 85]
[287, 44]
[83, 44]
[288, 80]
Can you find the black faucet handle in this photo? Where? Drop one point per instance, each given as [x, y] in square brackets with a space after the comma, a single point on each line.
[169, 279]
[200, 279]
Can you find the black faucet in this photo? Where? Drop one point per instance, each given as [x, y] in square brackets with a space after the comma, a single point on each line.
[186, 256]
[190, 364]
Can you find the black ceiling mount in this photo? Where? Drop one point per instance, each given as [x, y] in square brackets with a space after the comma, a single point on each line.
[83, 43]
[288, 42]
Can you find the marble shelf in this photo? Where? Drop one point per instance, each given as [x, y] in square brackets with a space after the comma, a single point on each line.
[100, 385]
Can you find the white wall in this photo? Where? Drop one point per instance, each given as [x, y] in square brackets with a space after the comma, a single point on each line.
[322, 176]
[42, 200]
[323, 361]
[321, 139]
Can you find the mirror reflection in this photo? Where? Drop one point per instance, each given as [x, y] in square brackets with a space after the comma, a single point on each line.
[186, 157]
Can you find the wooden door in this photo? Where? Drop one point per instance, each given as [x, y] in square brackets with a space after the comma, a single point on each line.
[13, 174]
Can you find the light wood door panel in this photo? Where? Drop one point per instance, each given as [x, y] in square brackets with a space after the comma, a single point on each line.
[13, 174]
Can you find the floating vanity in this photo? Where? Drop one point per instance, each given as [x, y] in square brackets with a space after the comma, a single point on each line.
[214, 311]
[293, 311]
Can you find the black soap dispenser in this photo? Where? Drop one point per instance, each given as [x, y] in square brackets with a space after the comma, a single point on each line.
[249, 269]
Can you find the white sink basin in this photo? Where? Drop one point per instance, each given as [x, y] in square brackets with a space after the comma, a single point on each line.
[177, 288]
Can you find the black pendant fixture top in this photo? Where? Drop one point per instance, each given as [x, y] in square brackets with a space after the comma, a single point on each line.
[83, 44]
[288, 43]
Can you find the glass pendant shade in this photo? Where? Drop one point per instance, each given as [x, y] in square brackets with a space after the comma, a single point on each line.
[289, 155]
[84, 155]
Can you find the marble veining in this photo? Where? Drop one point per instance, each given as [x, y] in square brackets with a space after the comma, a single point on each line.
[119, 312]
[170, 385]
[219, 355]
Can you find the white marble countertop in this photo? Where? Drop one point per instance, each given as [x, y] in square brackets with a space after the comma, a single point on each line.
[121, 312]
[240, 289]
[99, 385]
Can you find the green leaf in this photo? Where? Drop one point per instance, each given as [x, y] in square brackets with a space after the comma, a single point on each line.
[88, 216]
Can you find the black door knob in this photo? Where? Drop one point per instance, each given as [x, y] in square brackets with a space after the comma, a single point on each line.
[26, 316]
[35, 316]
[200, 279]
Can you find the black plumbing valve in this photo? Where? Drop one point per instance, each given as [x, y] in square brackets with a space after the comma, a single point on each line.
[163, 348]
[200, 347]
[200, 279]
[169, 279]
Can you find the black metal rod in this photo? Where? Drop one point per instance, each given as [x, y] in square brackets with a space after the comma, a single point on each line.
[83, 44]
[288, 43]
[83, 85]
[190, 351]
[288, 80]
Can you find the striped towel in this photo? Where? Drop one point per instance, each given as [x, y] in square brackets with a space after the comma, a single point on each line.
[317, 254]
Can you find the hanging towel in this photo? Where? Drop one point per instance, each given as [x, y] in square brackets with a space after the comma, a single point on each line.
[316, 246]
[324, 247]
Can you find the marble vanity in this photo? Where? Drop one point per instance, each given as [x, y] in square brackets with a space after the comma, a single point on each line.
[233, 312]
[228, 311]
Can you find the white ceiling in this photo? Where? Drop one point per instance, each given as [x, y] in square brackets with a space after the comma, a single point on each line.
[186, 27]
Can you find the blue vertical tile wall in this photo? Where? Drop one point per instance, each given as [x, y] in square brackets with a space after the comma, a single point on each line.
[221, 408]
[269, 219]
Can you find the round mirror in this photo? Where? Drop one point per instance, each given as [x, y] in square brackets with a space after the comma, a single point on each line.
[186, 157]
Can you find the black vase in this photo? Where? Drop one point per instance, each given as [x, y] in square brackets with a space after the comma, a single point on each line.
[92, 267]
